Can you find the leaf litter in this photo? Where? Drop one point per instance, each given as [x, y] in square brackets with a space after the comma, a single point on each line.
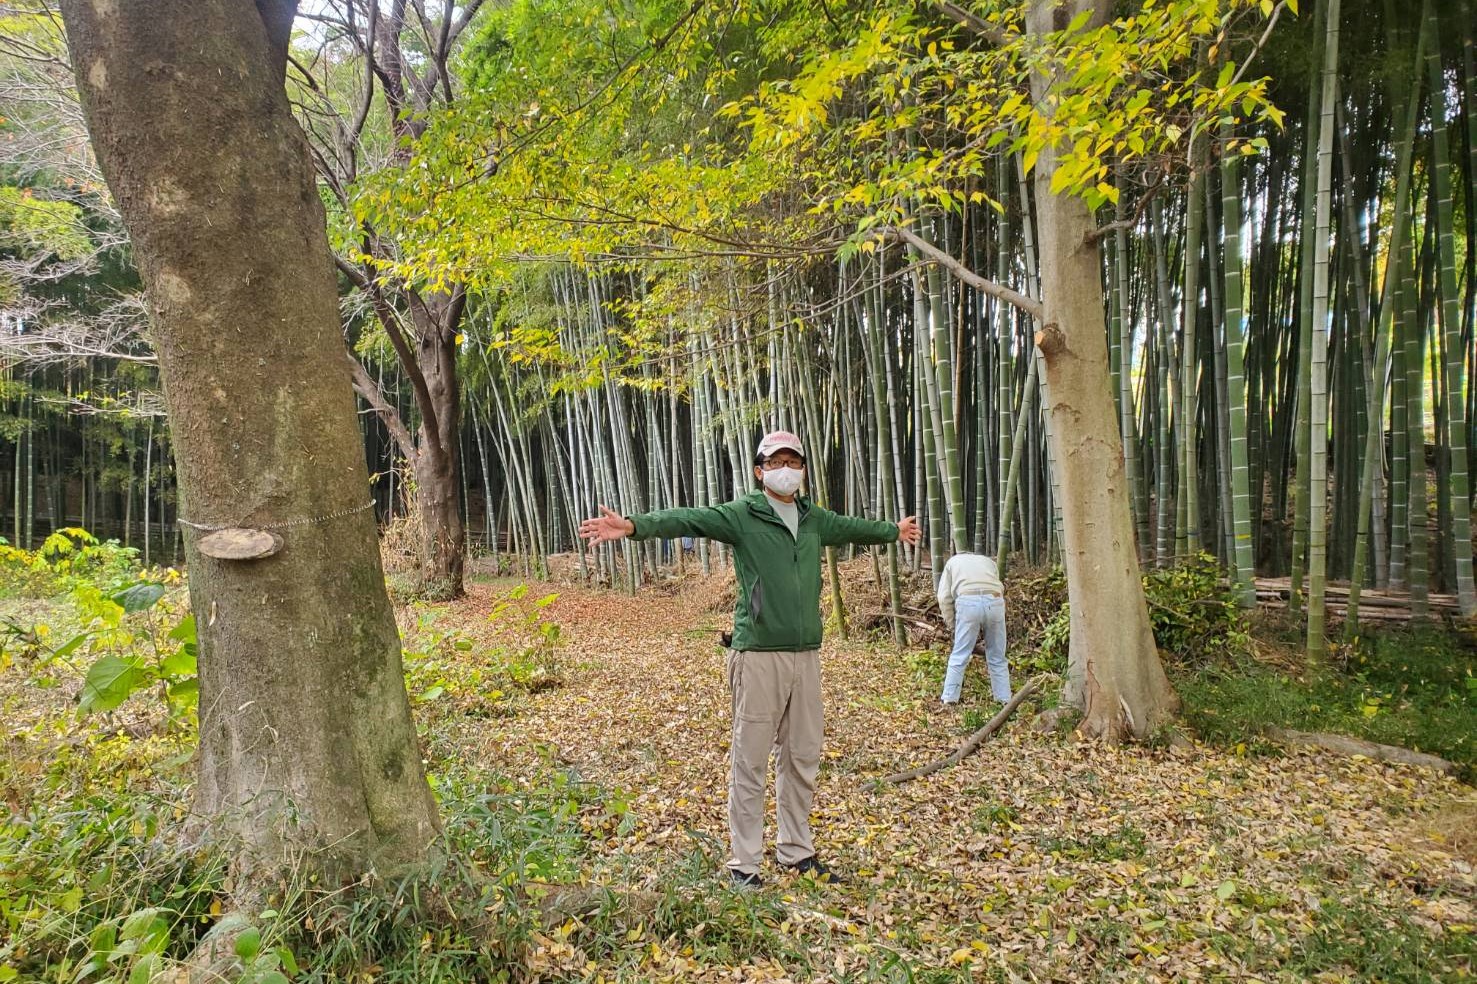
[1039, 858]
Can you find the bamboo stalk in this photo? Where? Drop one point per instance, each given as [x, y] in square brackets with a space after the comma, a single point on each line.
[1235, 423]
[1457, 484]
[1373, 447]
[1318, 409]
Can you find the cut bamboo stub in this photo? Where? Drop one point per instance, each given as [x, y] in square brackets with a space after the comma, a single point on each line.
[240, 544]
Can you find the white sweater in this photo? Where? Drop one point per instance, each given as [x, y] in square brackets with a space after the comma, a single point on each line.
[967, 574]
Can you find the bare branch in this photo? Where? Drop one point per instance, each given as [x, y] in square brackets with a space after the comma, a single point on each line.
[140, 403]
[356, 129]
[1015, 298]
[370, 391]
[1261, 42]
[389, 320]
[1132, 220]
[277, 18]
[38, 334]
[974, 24]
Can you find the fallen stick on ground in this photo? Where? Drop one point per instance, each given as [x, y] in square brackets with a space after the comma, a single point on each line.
[975, 740]
[1355, 746]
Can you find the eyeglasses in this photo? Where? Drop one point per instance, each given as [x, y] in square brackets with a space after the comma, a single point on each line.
[774, 464]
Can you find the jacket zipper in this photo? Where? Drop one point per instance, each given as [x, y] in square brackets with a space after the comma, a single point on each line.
[772, 517]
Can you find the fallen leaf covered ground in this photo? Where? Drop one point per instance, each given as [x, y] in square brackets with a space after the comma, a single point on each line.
[1039, 858]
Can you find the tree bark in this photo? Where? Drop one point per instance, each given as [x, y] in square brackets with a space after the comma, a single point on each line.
[437, 462]
[1113, 672]
[422, 324]
[308, 754]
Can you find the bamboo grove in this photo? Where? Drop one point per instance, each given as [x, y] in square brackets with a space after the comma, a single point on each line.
[649, 285]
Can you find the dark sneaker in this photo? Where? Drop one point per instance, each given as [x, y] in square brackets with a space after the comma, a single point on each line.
[810, 866]
[745, 879]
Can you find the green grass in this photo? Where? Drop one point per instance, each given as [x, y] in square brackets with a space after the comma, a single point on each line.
[1415, 687]
[1351, 939]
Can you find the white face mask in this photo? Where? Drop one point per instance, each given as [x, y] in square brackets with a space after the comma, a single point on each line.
[784, 481]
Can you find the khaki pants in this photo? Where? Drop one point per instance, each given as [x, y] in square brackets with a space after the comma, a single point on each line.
[776, 705]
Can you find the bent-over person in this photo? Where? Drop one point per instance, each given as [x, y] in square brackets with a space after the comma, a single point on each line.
[972, 600]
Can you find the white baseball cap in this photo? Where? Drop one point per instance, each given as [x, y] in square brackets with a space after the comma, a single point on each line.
[779, 440]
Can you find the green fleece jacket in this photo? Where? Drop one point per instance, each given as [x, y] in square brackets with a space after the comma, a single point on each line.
[779, 575]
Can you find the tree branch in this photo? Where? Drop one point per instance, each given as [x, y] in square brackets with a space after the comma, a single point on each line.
[277, 18]
[1345, 745]
[1015, 298]
[443, 49]
[1132, 220]
[972, 744]
[1261, 43]
[351, 136]
[390, 66]
[366, 388]
[972, 23]
[385, 313]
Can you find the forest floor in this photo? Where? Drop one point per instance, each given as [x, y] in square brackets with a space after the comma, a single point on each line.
[1039, 858]
[595, 754]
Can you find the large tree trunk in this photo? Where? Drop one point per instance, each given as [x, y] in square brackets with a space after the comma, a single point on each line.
[1114, 674]
[437, 460]
[443, 528]
[434, 451]
[307, 749]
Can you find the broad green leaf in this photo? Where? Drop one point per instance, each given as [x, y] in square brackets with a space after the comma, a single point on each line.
[180, 663]
[148, 927]
[70, 646]
[249, 943]
[185, 631]
[139, 597]
[144, 970]
[109, 682]
[103, 938]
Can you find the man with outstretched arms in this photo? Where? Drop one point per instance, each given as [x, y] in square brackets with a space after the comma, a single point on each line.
[774, 670]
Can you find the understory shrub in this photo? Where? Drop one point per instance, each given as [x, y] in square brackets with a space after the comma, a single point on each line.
[1414, 686]
[447, 670]
[122, 630]
[65, 559]
[106, 880]
[1194, 614]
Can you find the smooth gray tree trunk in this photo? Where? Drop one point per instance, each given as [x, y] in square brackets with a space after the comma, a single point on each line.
[1113, 674]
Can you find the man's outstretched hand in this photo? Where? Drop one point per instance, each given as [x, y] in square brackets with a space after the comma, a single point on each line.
[610, 526]
[907, 531]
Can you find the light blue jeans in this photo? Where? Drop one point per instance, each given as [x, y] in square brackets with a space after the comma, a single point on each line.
[974, 614]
